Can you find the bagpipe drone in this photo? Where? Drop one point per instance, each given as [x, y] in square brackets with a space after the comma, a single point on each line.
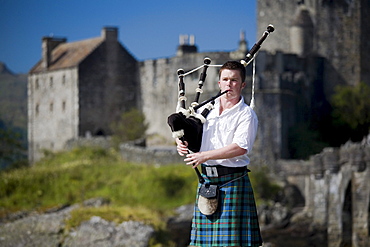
[187, 124]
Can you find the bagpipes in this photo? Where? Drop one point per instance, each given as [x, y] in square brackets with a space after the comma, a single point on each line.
[187, 124]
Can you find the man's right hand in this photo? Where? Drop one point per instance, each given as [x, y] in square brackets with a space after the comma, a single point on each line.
[182, 148]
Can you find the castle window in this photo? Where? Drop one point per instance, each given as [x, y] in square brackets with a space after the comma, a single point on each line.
[51, 106]
[37, 84]
[64, 105]
[64, 80]
[37, 109]
[155, 73]
[51, 81]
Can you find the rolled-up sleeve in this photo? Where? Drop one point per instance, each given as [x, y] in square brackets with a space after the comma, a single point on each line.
[246, 131]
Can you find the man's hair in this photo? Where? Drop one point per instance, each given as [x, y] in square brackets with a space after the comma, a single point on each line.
[233, 65]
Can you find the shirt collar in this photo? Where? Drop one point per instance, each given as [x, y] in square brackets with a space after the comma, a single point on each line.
[232, 109]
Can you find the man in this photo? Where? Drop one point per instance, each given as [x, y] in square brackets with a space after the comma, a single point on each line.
[228, 136]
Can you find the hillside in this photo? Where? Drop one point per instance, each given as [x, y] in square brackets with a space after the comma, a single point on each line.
[13, 117]
[13, 98]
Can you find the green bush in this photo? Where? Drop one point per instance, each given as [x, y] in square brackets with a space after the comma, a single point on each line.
[130, 126]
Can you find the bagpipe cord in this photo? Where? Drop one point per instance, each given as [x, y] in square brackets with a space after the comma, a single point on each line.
[252, 104]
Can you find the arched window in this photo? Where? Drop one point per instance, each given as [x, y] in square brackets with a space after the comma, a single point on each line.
[37, 109]
[100, 132]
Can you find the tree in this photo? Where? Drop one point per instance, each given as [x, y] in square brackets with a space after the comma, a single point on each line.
[130, 126]
[351, 107]
[12, 150]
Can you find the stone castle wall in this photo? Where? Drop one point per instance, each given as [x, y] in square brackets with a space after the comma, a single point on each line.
[336, 29]
[52, 110]
[159, 89]
[336, 188]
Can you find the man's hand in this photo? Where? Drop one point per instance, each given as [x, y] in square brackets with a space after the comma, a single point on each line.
[195, 159]
[182, 148]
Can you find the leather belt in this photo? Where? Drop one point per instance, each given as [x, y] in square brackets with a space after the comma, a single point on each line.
[218, 171]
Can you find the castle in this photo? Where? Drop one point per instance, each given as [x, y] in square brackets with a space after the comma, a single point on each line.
[77, 89]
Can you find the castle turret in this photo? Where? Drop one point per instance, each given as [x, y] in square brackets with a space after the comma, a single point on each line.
[301, 33]
[242, 49]
[187, 45]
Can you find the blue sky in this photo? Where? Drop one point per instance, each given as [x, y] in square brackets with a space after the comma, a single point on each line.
[148, 29]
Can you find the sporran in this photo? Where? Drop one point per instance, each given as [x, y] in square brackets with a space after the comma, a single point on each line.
[208, 199]
[208, 195]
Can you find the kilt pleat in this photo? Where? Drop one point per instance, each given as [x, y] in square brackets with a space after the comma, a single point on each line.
[235, 223]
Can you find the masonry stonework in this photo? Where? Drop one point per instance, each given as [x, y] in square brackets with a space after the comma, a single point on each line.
[336, 188]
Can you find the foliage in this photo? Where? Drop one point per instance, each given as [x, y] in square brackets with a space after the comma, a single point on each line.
[130, 126]
[13, 99]
[72, 177]
[264, 187]
[12, 148]
[304, 142]
[116, 215]
[347, 117]
[352, 108]
[84, 173]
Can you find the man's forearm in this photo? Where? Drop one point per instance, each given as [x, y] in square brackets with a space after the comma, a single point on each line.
[230, 151]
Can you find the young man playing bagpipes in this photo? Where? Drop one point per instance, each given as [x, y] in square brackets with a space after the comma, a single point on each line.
[227, 139]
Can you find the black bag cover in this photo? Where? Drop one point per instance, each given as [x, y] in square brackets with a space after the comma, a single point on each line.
[192, 126]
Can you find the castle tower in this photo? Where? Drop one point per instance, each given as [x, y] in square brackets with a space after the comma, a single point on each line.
[187, 45]
[339, 34]
[301, 33]
[242, 49]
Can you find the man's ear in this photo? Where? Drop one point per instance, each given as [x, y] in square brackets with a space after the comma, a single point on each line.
[244, 84]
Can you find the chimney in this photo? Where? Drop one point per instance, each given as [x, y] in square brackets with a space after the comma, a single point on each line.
[48, 45]
[187, 45]
[110, 33]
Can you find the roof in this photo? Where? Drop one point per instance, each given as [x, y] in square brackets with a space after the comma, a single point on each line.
[69, 55]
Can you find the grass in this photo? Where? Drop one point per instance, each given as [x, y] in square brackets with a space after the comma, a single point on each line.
[72, 177]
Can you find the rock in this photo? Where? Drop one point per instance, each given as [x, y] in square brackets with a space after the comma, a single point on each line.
[48, 230]
[273, 216]
[96, 202]
[179, 226]
[133, 234]
[35, 231]
[99, 232]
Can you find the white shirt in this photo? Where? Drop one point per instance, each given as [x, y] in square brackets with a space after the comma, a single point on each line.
[235, 125]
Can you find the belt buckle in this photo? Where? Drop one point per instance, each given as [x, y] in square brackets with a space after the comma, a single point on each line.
[211, 171]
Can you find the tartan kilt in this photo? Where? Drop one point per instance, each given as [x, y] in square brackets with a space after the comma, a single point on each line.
[235, 223]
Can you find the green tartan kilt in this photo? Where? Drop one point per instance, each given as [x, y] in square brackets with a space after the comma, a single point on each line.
[235, 223]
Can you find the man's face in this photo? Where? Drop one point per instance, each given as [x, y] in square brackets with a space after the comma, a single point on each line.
[231, 80]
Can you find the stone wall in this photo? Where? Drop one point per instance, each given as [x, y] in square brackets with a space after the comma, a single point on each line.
[134, 152]
[159, 88]
[335, 184]
[106, 89]
[337, 29]
[52, 110]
